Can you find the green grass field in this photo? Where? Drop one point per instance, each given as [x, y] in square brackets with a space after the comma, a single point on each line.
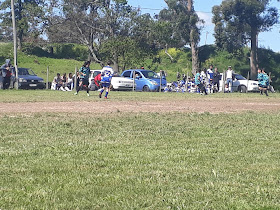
[137, 160]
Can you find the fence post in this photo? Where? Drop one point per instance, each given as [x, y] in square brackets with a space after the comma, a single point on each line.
[160, 80]
[248, 76]
[133, 89]
[47, 82]
[187, 82]
[224, 83]
[76, 78]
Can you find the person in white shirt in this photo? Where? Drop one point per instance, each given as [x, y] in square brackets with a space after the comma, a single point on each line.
[106, 77]
[229, 78]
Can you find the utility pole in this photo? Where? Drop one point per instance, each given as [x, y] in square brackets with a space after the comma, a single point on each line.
[206, 37]
[15, 41]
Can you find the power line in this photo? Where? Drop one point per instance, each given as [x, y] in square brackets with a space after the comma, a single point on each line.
[157, 9]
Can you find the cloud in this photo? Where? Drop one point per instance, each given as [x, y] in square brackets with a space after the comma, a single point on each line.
[207, 17]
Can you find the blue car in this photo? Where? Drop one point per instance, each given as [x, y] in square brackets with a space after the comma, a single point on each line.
[145, 80]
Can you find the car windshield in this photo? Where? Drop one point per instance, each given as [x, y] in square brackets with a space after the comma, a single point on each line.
[239, 77]
[150, 74]
[23, 71]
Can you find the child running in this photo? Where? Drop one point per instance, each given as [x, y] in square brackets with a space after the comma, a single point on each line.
[199, 83]
[106, 77]
[264, 82]
[84, 76]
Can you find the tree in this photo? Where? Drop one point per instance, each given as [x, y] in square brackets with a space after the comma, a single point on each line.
[29, 17]
[95, 24]
[194, 36]
[181, 22]
[238, 21]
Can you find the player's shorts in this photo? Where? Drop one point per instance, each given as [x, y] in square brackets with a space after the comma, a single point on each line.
[85, 81]
[263, 86]
[105, 84]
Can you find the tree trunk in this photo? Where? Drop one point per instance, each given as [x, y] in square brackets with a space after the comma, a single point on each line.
[253, 55]
[20, 30]
[93, 55]
[195, 65]
[20, 38]
[116, 63]
[193, 41]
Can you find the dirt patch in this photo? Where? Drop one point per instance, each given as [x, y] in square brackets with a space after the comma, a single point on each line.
[211, 105]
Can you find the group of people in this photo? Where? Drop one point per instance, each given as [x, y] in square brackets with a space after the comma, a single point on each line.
[104, 82]
[64, 82]
[210, 80]
[204, 81]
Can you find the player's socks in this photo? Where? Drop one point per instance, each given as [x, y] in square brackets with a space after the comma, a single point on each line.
[101, 91]
[106, 95]
[266, 92]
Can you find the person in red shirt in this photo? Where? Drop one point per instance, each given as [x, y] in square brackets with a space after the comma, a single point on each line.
[97, 80]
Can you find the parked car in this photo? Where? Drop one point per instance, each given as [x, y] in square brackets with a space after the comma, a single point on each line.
[118, 82]
[27, 79]
[145, 80]
[241, 84]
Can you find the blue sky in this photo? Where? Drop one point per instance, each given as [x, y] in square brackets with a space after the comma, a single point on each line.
[204, 7]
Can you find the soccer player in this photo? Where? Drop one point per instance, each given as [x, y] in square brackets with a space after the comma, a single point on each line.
[199, 83]
[84, 76]
[265, 82]
[260, 78]
[106, 77]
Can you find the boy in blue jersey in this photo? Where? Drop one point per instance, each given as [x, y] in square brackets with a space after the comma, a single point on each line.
[264, 82]
[106, 77]
[260, 78]
[198, 83]
[84, 77]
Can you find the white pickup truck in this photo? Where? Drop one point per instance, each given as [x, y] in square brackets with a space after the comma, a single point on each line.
[240, 84]
[118, 82]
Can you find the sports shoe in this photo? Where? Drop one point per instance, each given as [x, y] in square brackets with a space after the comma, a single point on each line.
[99, 95]
[87, 94]
[105, 97]
[75, 93]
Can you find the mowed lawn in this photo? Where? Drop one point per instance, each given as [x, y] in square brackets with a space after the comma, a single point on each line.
[138, 160]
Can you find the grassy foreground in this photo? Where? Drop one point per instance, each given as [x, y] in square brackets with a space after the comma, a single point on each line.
[138, 161]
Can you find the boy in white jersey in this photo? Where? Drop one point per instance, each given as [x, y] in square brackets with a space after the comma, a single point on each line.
[106, 77]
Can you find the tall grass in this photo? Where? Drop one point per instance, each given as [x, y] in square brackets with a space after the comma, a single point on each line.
[140, 161]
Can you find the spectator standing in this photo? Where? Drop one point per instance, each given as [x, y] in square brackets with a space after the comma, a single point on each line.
[210, 73]
[106, 77]
[6, 73]
[84, 77]
[216, 80]
[229, 78]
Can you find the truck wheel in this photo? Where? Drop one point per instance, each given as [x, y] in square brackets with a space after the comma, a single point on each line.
[146, 88]
[242, 89]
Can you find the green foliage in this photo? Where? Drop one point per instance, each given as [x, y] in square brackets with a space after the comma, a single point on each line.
[135, 58]
[29, 15]
[237, 21]
[60, 51]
